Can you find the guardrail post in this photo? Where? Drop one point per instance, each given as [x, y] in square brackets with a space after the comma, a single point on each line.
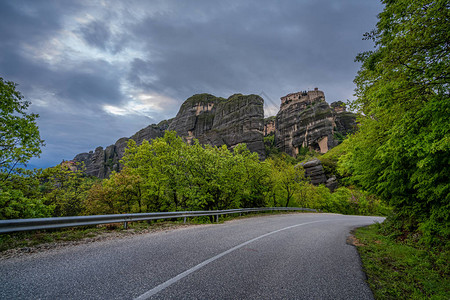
[217, 218]
[184, 220]
[125, 225]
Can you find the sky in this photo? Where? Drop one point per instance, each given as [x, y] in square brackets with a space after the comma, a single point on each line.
[96, 71]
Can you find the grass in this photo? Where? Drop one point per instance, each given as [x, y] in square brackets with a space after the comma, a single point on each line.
[400, 271]
[36, 238]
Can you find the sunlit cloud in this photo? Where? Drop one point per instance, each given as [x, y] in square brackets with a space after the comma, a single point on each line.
[142, 104]
[114, 110]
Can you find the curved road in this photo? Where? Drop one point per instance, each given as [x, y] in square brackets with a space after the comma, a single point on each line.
[290, 256]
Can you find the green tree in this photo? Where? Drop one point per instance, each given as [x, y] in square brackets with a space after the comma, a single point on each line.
[19, 134]
[160, 166]
[207, 177]
[120, 193]
[401, 152]
[288, 178]
[251, 177]
[21, 196]
[174, 175]
[14, 205]
[99, 200]
[125, 190]
[65, 190]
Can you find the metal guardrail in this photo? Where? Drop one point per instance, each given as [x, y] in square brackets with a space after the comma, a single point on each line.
[16, 225]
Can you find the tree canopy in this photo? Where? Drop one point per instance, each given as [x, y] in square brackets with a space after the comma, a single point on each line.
[19, 133]
[401, 151]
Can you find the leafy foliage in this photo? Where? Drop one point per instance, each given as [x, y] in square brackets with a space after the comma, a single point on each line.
[401, 151]
[172, 175]
[19, 141]
[287, 179]
[14, 205]
[269, 146]
[64, 189]
[19, 134]
[168, 174]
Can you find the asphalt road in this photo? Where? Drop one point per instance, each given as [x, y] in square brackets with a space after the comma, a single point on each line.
[289, 256]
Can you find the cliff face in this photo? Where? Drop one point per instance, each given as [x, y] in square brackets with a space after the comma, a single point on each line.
[101, 162]
[196, 116]
[218, 121]
[345, 121]
[269, 125]
[212, 120]
[305, 120]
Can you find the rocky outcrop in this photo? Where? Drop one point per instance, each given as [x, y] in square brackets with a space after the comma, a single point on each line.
[305, 120]
[101, 162]
[212, 120]
[315, 172]
[218, 121]
[196, 116]
[345, 122]
[269, 125]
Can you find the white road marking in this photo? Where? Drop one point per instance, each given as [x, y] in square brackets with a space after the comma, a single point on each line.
[180, 276]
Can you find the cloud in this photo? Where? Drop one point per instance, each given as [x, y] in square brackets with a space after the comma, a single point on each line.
[96, 34]
[143, 104]
[99, 70]
[243, 47]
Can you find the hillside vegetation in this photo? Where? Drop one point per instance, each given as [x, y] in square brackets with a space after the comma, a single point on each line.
[401, 152]
[168, 174]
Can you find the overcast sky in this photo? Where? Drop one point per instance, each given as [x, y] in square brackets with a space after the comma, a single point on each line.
[96, 71]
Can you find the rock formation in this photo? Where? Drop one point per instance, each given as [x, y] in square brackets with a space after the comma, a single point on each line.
[196, 116]
[345, 121]
[212, 120]
[315, 172]
[269, 125]
[218, 121]
[101, 162]
[305, 120]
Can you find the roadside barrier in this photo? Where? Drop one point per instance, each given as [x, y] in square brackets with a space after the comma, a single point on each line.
[16, 225]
